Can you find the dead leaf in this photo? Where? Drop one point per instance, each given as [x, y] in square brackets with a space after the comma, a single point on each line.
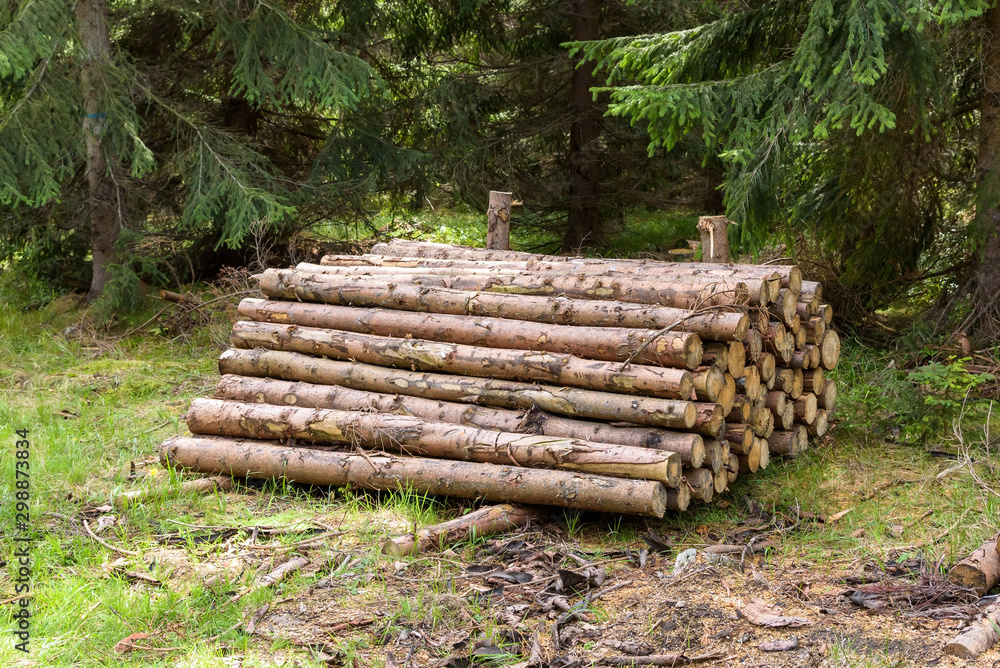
[857, 533]
[762, 613]
[896, 530]
[779, 645]
[128, 644]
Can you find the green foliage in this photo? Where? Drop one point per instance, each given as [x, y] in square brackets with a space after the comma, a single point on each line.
[846, 121]
[943, 392]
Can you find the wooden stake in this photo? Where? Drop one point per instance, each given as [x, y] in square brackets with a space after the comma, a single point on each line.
[498, 221]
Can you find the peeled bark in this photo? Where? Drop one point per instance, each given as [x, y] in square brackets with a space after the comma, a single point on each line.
[289, 284]
[504, 394]
[431, 439]
[789, 275]
[673, 349]
[702, 484]
[285, 393]
[466, 360]
[486, 521]
[980, 571]
[508, 484]
[617, 287]
[498, 221]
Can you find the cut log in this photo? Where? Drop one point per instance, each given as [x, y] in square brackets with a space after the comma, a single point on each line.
[830, 350]
[418, 354]
[787, 418]
[715, 354]
[813, 381]
[740, 437]
[749, 383]
[785, 380]
[753, 343]
[702, 484]
[713, 455]
[784, 443]
[714, 238]
[733, 468]
[509, 484]
[486, 521]
[737, 359]
[750, 462]
[714, 326]
[805, 408]
[728, 395]
[785, 306]
[815, 329]
[820, 425]
[798, 379]
[811, 288]
[802, 358]
[775, 401]
[708, 382]
[800, 338]
[678, 292]
[503, 394]
[790, 275]
[286, 393]
[498, 220]
[825, 311]
[978, 637]
[766, 367]
[828, 397]
[721, 479]
[764, 453]
[674, 349]
[807, 308]
[741, 409]
[709, 420]
[980, 571]
[678, 498]
[415, 436]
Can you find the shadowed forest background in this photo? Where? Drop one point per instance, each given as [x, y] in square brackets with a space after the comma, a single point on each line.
[151, 143]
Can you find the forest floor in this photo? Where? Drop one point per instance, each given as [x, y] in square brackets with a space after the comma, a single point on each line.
[177, 570]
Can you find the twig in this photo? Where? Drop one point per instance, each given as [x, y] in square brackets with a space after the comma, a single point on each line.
[107, 544]
[660, 332]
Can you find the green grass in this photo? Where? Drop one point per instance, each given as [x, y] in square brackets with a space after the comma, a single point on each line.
[96, 405]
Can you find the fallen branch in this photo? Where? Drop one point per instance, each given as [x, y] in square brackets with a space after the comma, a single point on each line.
[483, 522]
[107, 544]
[976, 638]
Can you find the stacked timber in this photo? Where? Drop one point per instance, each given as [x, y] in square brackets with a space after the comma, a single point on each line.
[624, 386]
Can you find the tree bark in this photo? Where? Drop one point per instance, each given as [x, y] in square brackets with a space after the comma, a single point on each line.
[784, 442]
[978, 637]
[417, 354]
[830, 350]
[702, 484]
[820, 425]
[714, 238]
[103, 215]
[503, 394]
[507, 484]
[828, 397]
[980, 571]
[498, 221]
[584, 134]
[689, 447]
[486, 521]
[412, 435]
[613, 344]
[289, 284]
[984, 323]
[740, 437]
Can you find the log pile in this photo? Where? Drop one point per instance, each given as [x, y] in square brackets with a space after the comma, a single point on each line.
[624, 386]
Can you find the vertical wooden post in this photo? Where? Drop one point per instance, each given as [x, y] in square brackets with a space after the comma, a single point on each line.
[714, 238]
[498, 221]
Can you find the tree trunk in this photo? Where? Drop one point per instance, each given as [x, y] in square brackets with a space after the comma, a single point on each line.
[289, 284]
[984, 324]
[740, 437]
[702, 484]
[688, 446]
[417, 354]
[584, 133]
[498, 221]
[504, 394]
[507, 484]
[486, 521]
[673, 349]
[103, 214]
[411, 435]
[714, 238]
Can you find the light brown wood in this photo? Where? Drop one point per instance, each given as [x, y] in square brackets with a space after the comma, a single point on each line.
[585, 404]
[485, 521]
[737, 359]
[805, 408]
[784, 443]
[828, 397]
[978, 637]
[715, 354]
[702, 484]
[713, 455]
[980, 571]
[708, 383]
[613, 344]
[740, 437]
[419, 354]
[498, 220]
[678, 498]
[814, 380]
[714, 238]
[820, 425]
[830, 350]
[510, 484]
